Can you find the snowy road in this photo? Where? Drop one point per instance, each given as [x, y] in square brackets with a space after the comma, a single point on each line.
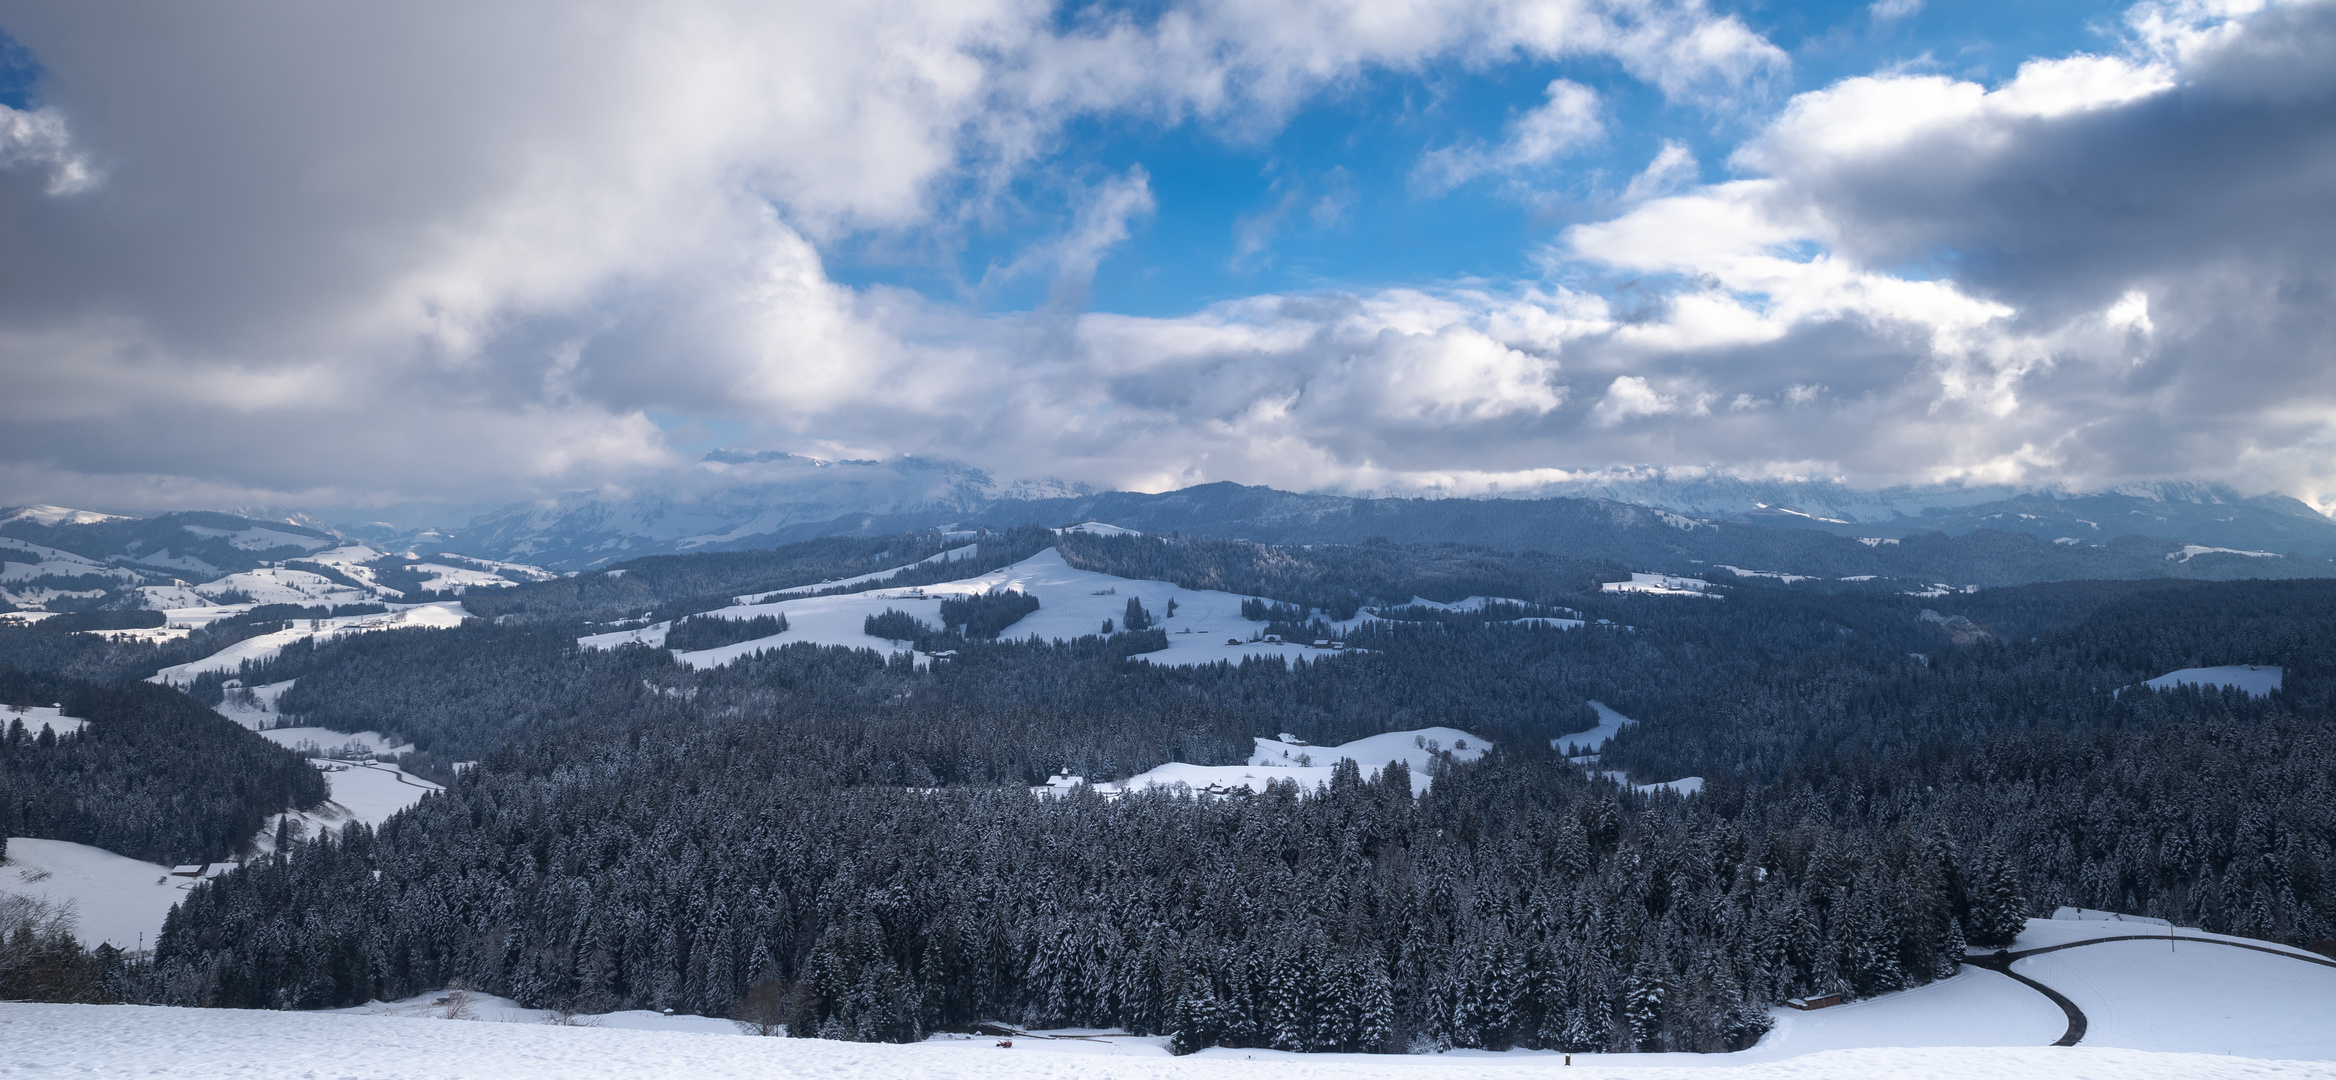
[122, 1040]
[2239, 997]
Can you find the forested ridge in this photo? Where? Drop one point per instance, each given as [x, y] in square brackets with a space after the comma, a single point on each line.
[1518, 903]
[152, 775]
[57, 645]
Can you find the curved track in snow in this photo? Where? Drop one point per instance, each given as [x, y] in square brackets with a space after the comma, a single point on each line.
[2001, 963]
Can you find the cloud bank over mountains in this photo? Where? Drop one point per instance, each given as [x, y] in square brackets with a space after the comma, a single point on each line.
[260, 253]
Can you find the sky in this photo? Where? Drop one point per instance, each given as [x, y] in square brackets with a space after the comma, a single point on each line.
[438, 254]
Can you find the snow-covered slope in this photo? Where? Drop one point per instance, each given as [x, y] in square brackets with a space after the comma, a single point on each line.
[230, 659]
[2174, 988]
[1207, 626]
[2199, 513]
[1975, 1007]
[367, 792]
[1310, 766]
[196, 559]
[122, 900]
[25, 560]
[253, 537]
[2219, 1007]
[33, 575]
[39, 718]
[273, 585]
[1610, 724]
[2230, 1000]
[1662, 585]
[2254, 679]
[1098, 528]
[121, 1040]
[54, 515]
[113, 898]
[255, 708]
[955, 554]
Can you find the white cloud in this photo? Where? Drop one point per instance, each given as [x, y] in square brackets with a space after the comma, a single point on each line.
[1629, 397]
[1105, 219]
[557, 215]
[1562, 123]
[1673, 167]
[38, 139]
[2070, 201]
[2130, 312]
[482, 282]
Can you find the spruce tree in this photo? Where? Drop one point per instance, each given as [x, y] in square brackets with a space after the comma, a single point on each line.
[1998, 912]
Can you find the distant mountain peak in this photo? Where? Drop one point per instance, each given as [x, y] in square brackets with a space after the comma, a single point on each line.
[734, 498]
[43, 514]
[744, 457]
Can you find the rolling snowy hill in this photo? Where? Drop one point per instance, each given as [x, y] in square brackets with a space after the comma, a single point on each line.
[230, 659]
[1204, 626]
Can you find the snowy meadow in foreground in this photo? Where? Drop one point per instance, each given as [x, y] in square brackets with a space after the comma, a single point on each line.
[123, 1040]
[2198, 1005]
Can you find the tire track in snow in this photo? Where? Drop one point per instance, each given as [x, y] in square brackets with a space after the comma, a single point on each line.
[2001, 963]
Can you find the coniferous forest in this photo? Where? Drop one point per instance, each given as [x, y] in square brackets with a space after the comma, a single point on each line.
[152, 775]
[847, 844]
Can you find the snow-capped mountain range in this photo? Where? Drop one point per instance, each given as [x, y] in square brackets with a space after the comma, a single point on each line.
[2164, 509]
[734, 500]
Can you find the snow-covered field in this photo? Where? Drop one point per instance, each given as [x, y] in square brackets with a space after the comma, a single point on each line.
[282, 585]
[2227, 1000]
[22, 560]
[1309, 766]
[2252, 678]
[373, 792]
[260, 538]
[259, 713]
[44, 514]
[2192, 551]
[1610, 723]
[113, 898]
[1687, 785]
[38, 718]
[1207, 626]
[1777, 574]
[367, 792]
[1593, 740]
[1974, 1008]
[955, 554]
[2186, 1008]
[123, 1040]
[119, 899]
[229, 660]
[267, 585]
[328, 740]
[1662, 585]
